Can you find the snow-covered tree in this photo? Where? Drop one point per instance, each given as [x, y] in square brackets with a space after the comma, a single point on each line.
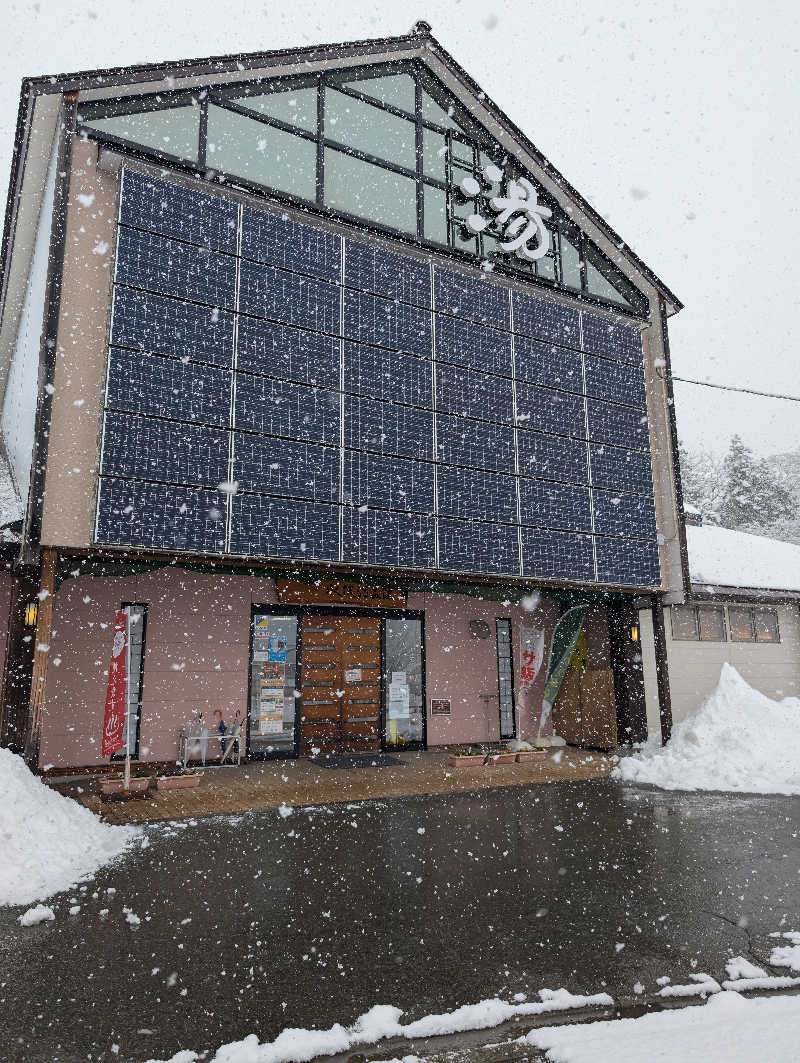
[755, 492]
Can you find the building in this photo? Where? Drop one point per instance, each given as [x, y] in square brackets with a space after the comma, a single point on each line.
[318, 368]
[743, 609]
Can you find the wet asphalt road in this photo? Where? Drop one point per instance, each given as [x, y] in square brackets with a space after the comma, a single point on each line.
[252, 923]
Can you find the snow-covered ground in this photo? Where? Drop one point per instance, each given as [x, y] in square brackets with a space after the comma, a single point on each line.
[729, 1028]
[738, 739]
[48, 842]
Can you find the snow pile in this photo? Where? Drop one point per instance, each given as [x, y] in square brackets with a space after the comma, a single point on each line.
[48, 841]
[787, 955]
[40, 913]
[729, 1027]
[383, 1020]
[724, 558]
[737, 740]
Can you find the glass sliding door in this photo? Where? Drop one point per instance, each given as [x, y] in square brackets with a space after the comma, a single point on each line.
[403, 683]
[273, 681]
[134, 669]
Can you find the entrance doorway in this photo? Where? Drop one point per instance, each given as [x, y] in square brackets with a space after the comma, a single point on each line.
[340, 693]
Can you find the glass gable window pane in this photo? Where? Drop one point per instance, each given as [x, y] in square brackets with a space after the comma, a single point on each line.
[397, 89]
[175, 131]
[767, 626]
[364, 127]
[684, 622]
[712, 623]
[434, 155]
[369, 191]
[432, 112]
[294, 106]
[740, 622]
[570, 263]
[603, 280]
[260, 153]
[435, 207]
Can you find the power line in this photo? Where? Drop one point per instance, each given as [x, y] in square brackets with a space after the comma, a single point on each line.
[743, 391]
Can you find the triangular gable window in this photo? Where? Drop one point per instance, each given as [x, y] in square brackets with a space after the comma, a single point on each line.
[386, 144]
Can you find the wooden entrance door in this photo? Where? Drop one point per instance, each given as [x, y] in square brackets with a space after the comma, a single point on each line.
[340, 695]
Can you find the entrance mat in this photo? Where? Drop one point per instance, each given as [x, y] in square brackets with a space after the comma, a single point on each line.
[359, 760]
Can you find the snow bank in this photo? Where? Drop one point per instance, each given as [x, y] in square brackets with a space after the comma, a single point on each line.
[737, 740]
[48, 841]
[729, 1027]
[383, 1020]
[725, 558]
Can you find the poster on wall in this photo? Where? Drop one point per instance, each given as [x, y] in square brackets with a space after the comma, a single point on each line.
[261, 638]
[531, 653]
[272, 681]
[117, 689]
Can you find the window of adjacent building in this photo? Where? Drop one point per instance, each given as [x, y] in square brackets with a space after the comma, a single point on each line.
[741, 624]
[684, 622]
[711, 623]
[386, 143]
[505, 678]
[766, 625]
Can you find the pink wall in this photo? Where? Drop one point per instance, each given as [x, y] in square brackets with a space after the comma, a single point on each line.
[197, 646]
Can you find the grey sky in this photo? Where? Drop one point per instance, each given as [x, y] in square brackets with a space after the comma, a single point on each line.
[677, 121]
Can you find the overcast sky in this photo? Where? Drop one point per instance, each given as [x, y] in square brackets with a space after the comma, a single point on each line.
[678, 122]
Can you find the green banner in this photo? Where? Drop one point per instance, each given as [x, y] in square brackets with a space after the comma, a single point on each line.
[562, 646]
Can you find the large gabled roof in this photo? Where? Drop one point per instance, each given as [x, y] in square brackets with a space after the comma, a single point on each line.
[419, 42]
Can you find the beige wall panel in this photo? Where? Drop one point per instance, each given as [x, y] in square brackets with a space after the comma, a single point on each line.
[648, 645]
[772, 668]
[68, 517]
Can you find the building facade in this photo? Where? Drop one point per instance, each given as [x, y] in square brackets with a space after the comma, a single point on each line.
[317, 369]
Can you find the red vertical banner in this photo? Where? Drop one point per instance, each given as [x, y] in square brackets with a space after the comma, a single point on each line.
[116, 693]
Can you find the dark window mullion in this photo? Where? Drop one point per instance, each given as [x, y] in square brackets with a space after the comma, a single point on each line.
[264, 119]
[418, 141]
[365, 156]
[321, 142]
[202, 146]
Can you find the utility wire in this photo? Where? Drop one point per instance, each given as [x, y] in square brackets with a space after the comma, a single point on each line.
[744, 391]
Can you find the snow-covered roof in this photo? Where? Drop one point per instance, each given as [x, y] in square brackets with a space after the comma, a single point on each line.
[724, 558]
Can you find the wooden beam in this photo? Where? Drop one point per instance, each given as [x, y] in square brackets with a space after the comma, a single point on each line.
[41, 656]
[662, 670]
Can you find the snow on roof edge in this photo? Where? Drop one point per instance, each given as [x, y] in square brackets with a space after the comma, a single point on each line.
[722, 557]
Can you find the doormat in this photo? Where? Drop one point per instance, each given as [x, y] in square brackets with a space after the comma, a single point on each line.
[359, 760]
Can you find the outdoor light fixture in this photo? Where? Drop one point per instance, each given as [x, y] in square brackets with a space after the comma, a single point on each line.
[635, 633]
[31, 611]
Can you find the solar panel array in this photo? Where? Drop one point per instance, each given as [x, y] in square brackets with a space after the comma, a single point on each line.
[370, 408]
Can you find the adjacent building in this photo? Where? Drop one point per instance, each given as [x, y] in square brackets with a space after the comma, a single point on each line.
[314, 365]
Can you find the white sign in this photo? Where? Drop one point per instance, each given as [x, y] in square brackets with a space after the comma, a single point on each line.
[531, 653]
[352, 675]
[520, 215]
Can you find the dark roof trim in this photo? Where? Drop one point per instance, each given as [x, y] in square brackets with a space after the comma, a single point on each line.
[700, 592]
[420, 36]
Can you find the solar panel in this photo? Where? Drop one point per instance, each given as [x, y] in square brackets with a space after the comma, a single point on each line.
[388, 375]
[619, 514]
[284, 527]
[548, 365]
[621, 470]
[622, 426]
[177, 329]
[387, 482]
[615, 382]
[165, 387]
[178, 211]
[476, 299]
[476, 494]
[627, 561]
[557, 555]
[476, 444]
[147, 449]
[545, 504]
[160, 515]
[546, 410]
[387, 428]
[170, 268]
[271, 293]
[215, 302]
[601, 336]
[382, 272]
[280, 241]
[377, 537]
[279, 408]
[471, 394]
[552, 457]
[286, 468]
[286, 352]
[387, 323]
[546, 320]
[468, 546]
[465, 343]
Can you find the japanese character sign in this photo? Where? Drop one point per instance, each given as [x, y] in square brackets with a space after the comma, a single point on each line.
[520, 216]
[117, 690]
[531, 647]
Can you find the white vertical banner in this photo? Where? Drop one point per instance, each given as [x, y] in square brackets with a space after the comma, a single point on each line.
[531, 654]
